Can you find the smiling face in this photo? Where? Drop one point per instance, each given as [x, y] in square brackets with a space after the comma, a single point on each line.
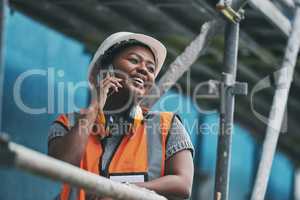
[138, 63]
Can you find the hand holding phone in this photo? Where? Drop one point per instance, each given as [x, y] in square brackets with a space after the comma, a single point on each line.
[107, 85]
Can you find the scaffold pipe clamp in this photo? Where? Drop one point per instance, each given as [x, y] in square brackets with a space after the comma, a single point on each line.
[228, 86]
[229, 13]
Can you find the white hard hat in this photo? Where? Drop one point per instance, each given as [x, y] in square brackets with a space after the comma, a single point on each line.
[158, 49]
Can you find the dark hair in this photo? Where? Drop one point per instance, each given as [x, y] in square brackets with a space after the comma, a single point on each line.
[106, 59]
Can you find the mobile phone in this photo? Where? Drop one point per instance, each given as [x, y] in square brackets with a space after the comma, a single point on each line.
[110, 71]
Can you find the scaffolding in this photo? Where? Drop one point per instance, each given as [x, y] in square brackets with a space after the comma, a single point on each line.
[3, 5]
[228, 89]
[276, 116]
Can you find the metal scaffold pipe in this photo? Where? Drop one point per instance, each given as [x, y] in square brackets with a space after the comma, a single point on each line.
[3, 4]
[228, 89]
[12, 154]
[184, 61]
[285, 77]
[297, 184]
[226, 116]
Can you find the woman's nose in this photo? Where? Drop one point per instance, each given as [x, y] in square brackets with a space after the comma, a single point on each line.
[142, 69]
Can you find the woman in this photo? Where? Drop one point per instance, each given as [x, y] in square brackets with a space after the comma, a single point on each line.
[116, 138]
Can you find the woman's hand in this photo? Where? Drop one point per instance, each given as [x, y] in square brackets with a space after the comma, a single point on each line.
[100, 92]
[104, 86]
[177, 182]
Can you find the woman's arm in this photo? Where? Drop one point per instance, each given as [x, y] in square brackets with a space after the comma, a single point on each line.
[70, 147]
[178, 179]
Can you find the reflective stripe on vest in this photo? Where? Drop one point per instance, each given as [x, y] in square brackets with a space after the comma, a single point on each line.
[135, 154]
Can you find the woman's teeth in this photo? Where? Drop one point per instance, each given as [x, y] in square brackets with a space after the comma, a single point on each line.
[138, 81]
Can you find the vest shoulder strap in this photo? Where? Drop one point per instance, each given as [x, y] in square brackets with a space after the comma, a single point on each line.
[166, 119]
[158, 126]
[67, 120]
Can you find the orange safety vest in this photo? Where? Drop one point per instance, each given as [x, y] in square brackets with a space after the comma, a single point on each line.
[142, 153]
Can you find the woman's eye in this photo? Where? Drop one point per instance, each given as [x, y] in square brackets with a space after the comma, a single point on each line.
[151, 68]
[133, 60]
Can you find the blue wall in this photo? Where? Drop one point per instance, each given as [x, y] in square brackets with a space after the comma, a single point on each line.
[241, 158]
[30, 45]
[281, 180]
